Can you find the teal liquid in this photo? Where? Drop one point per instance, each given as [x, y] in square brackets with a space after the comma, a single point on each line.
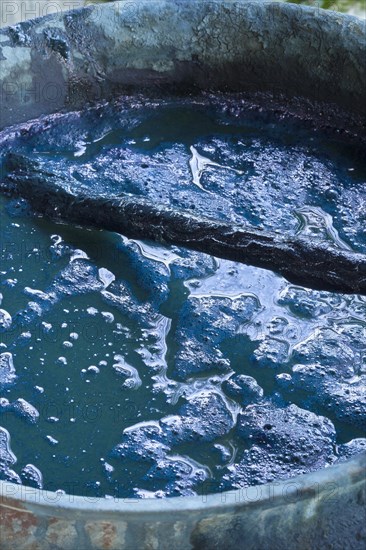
[127, 354]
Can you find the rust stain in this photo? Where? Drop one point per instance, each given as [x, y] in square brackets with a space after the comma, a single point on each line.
[61, 533]
[52, 534]
[109, 535]
[103, 534]
[51, 521]
[17, 523]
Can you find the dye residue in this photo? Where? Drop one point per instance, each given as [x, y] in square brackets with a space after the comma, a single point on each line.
[134, 370]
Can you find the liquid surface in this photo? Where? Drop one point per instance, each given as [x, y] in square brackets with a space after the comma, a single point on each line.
[129, 369]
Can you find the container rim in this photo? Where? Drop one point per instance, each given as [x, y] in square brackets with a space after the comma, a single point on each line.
[321, 484]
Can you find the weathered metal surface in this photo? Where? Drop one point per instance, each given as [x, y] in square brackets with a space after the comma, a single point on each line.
[64, 60]
[67, 59]
[325, 509]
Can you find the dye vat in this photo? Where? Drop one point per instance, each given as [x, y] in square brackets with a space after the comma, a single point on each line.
[138, 371]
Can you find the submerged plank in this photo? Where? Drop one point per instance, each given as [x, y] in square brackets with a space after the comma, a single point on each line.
[313, 264]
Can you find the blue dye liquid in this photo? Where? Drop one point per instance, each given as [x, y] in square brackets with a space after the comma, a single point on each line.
[130, 369]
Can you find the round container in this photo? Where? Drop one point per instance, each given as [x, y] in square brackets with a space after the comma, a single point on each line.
[65, 60]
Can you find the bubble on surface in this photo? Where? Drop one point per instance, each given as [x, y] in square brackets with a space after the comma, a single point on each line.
[67, 344]
[93, 369]
[53, 419]
[4, 404]
[51, 440]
